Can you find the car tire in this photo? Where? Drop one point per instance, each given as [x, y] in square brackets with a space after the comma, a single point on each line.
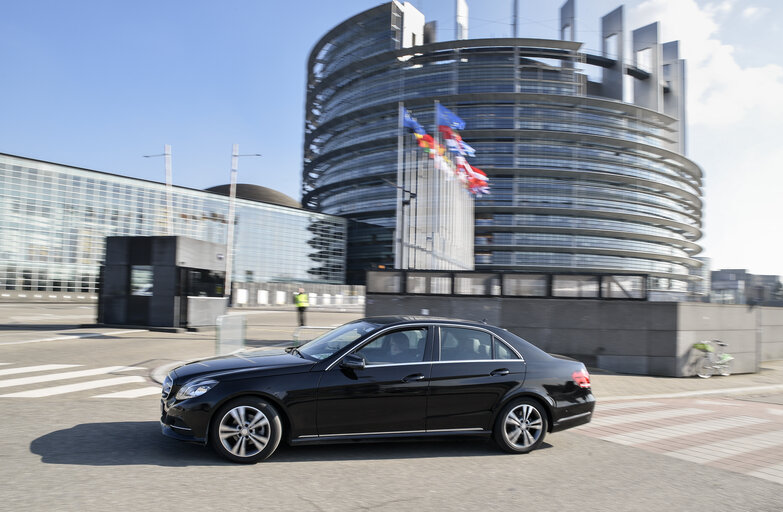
[521, 426]
[246, 430]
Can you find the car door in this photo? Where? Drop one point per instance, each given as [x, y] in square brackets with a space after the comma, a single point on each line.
[473, 370]
[388, 395]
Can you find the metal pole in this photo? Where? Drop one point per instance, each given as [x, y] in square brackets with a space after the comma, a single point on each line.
[230, 234]
[169, 200]
[398, 259]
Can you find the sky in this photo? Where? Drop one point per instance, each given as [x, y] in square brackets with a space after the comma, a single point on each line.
[99, 84]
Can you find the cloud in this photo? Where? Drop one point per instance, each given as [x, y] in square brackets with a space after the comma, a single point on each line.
[720, 90]
[752, 12]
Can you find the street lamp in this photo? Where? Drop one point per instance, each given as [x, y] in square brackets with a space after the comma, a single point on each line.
[230, 235]
[169, 214]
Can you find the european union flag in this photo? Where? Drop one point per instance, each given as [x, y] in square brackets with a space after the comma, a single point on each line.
[448, 118]
[409, 122]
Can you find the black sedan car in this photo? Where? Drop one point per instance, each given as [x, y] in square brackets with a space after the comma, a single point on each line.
[378, 378]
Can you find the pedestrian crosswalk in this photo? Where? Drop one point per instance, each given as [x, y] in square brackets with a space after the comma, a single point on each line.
[738, 435]
[45, 380]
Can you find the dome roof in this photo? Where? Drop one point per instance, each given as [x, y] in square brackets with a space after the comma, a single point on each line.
[257, 193]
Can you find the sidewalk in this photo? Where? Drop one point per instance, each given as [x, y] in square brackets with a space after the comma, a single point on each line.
[614, 386]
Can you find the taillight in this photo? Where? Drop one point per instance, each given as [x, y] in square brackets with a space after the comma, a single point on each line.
[582, 378]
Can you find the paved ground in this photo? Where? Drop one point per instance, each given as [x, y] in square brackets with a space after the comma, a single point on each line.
[80, 413]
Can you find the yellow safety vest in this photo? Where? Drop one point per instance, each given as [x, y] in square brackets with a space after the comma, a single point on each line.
[301, 300]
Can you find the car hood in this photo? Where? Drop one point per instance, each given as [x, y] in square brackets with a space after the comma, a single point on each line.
[275, 359]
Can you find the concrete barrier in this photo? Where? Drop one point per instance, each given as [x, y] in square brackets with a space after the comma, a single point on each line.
[638, 337]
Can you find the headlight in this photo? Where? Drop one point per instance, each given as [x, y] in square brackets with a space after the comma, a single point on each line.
[194, 389]
[167, 383]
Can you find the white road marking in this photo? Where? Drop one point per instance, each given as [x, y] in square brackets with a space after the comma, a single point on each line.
[75, 337]
[39, 368]
[132, 393]
[70, 388]
[773, 473]
[66, 375]
[624, 405]
[732, 446]
[699, 427]
[718, 402]
[643, 416]
[726, 391]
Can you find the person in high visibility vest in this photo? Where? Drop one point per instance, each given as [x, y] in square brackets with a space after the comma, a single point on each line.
[301, 302]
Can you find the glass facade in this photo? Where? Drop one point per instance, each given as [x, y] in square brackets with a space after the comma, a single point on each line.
[53, 220]
[579, 181]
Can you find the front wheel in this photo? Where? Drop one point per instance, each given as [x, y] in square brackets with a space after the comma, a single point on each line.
[521, 426]
[705, 368]
[246, 430]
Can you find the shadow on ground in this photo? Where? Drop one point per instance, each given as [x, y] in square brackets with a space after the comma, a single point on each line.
[141, 443]
[21, 326]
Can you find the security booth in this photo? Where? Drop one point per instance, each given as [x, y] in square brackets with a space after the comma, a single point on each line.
[162, 281]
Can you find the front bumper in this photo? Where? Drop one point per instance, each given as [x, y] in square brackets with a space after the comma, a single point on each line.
[184, 421]
[168, 431]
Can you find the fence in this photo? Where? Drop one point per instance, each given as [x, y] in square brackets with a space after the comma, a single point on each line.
[280, 294]
[508, 284]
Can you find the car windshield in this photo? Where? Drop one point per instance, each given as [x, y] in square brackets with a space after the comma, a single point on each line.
[336, 339]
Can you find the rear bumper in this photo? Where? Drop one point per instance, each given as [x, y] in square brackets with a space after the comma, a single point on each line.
[574, 414]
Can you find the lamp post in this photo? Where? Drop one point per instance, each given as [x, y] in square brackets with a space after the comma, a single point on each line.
[231, 207]
[167, 161]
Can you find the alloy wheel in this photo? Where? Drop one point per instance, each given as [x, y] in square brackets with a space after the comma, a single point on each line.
[523, 426]
[244, 431]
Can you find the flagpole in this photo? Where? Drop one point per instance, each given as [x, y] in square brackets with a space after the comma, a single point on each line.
[436, 192]
[399, 220]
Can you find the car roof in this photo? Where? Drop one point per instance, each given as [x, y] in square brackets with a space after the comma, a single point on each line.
[404, 319]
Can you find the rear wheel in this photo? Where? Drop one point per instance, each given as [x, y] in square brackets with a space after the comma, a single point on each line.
[246, 430]
[704, 368]
[521, 426]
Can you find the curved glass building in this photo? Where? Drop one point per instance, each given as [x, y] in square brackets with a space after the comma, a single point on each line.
[587, 174]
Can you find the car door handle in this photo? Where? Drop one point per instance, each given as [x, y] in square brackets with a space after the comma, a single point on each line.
[414, 377]
[502, 371]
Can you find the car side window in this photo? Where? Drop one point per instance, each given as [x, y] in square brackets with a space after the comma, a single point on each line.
[398, 347]
[502, 351]
[460, 344]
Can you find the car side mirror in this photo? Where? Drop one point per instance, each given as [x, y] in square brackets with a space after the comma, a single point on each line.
[353, 362]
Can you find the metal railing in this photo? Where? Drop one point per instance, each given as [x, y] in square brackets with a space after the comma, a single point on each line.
[509, 284]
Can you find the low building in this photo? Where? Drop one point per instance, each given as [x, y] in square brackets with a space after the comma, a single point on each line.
[738, 286]
[54, 219]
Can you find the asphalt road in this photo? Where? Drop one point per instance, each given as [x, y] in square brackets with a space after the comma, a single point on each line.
[97, 449]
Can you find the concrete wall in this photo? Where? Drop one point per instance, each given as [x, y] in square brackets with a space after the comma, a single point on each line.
[204, 311]
[647, 338]
[771, 327]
